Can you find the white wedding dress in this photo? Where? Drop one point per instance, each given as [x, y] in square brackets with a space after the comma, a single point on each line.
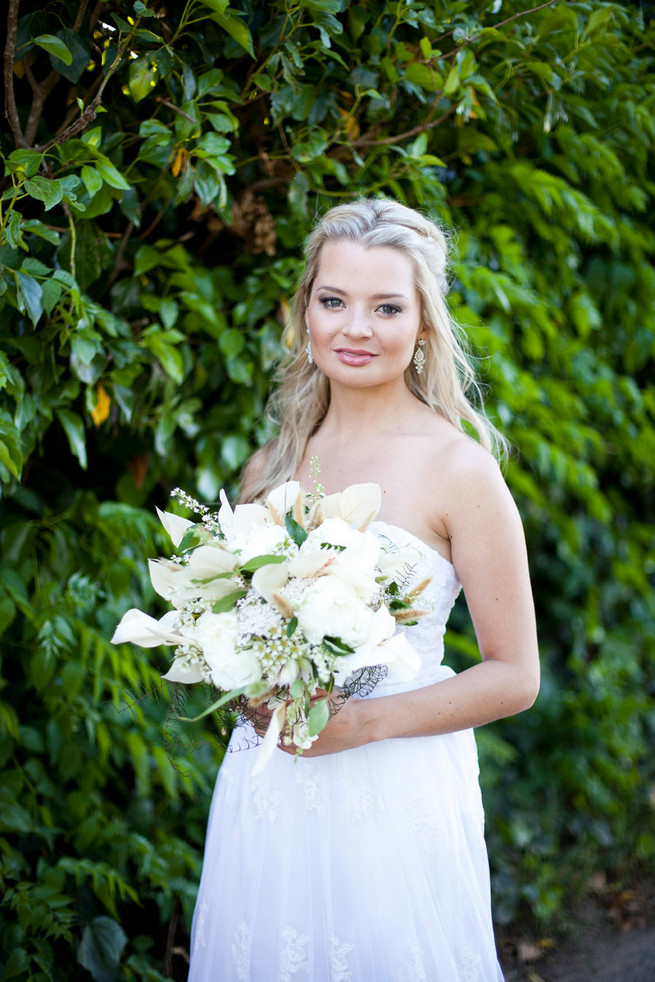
[363, 866]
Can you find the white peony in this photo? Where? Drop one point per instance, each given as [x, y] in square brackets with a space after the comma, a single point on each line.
[231, 667]
[331, 607]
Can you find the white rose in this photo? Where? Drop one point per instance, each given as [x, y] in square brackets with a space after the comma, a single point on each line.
[231, 667]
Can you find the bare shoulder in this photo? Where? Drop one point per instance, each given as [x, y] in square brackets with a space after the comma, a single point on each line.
[254, 469]
[468, 482]
[466, 466]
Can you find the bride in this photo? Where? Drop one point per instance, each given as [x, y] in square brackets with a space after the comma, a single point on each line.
[364, 859]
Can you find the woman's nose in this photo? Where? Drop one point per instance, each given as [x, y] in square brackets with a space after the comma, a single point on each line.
[358, 324]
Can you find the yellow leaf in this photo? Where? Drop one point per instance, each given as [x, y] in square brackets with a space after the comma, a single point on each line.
[179, 164]
[101, 411]
[351, 124]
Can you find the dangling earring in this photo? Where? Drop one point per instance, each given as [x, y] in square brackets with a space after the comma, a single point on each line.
[419, 356]
[308, 351]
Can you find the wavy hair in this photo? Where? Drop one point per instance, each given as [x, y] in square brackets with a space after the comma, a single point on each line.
[302, 394]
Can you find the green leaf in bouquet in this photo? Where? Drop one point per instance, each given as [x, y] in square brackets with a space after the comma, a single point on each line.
[336, 646]
[257, 561]
[318, 717]
[296, 689]
[295, 530]
[223, 701]
[291, 627]
[191, 538]
[227, 602]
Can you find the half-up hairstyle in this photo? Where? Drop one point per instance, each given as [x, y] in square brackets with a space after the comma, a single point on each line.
[302, 395]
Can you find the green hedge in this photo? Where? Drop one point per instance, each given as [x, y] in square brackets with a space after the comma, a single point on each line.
[162, 167]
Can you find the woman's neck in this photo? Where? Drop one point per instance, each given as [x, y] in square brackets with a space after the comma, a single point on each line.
[369, 410]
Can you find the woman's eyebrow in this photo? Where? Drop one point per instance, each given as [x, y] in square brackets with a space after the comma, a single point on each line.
[376, 296]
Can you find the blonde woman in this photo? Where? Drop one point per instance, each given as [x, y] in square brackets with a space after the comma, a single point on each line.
[364, 860]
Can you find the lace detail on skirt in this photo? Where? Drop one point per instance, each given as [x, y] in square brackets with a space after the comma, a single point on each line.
[468, 969]
[425, 825]
[292, 954]
[360, 799]
[412, 970]
[200, 925]
[266, 798]
[314, 793]
[241, 952]
[339, 970]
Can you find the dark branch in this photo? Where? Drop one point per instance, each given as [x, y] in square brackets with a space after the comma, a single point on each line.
[362, 142]
[11, 112]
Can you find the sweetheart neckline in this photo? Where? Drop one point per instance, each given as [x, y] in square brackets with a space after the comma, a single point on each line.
[417, 538]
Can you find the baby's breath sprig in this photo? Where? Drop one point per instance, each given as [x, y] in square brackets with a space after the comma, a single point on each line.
[208, 518]
[314, 471]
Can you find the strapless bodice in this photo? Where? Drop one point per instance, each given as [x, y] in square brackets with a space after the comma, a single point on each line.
[437, 598]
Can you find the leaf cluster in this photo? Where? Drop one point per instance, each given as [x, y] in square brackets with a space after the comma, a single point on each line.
[161, 169]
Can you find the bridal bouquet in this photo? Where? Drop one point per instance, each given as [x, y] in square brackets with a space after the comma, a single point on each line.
[279, 604]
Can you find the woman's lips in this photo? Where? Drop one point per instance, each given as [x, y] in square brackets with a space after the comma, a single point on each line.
[354, 356]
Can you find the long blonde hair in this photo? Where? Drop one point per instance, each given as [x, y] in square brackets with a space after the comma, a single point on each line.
[302, 395]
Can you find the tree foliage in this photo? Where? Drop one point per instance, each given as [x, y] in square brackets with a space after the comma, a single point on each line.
[162, 166]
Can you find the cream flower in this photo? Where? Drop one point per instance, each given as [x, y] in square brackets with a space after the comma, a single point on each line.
[185, 672]
[403, 660]
[282, 499]
[146, 631]
[203, 575]
[174, 525]
[357, 504]
[240, 521]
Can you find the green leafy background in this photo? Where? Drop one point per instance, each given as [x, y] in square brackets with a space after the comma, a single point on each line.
[162, 166]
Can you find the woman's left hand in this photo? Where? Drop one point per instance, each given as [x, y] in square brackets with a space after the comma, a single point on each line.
[344, 730]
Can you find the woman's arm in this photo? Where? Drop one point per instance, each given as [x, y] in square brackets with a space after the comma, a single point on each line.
[480, 518]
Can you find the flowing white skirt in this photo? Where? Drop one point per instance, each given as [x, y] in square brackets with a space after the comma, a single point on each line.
[364, 866]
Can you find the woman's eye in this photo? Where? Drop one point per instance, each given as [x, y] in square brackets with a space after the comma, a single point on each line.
[389, 308]
[330, 302]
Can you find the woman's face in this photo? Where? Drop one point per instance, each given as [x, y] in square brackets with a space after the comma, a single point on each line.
[363, 314]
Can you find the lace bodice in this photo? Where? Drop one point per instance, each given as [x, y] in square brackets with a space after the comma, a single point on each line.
[438, 598]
